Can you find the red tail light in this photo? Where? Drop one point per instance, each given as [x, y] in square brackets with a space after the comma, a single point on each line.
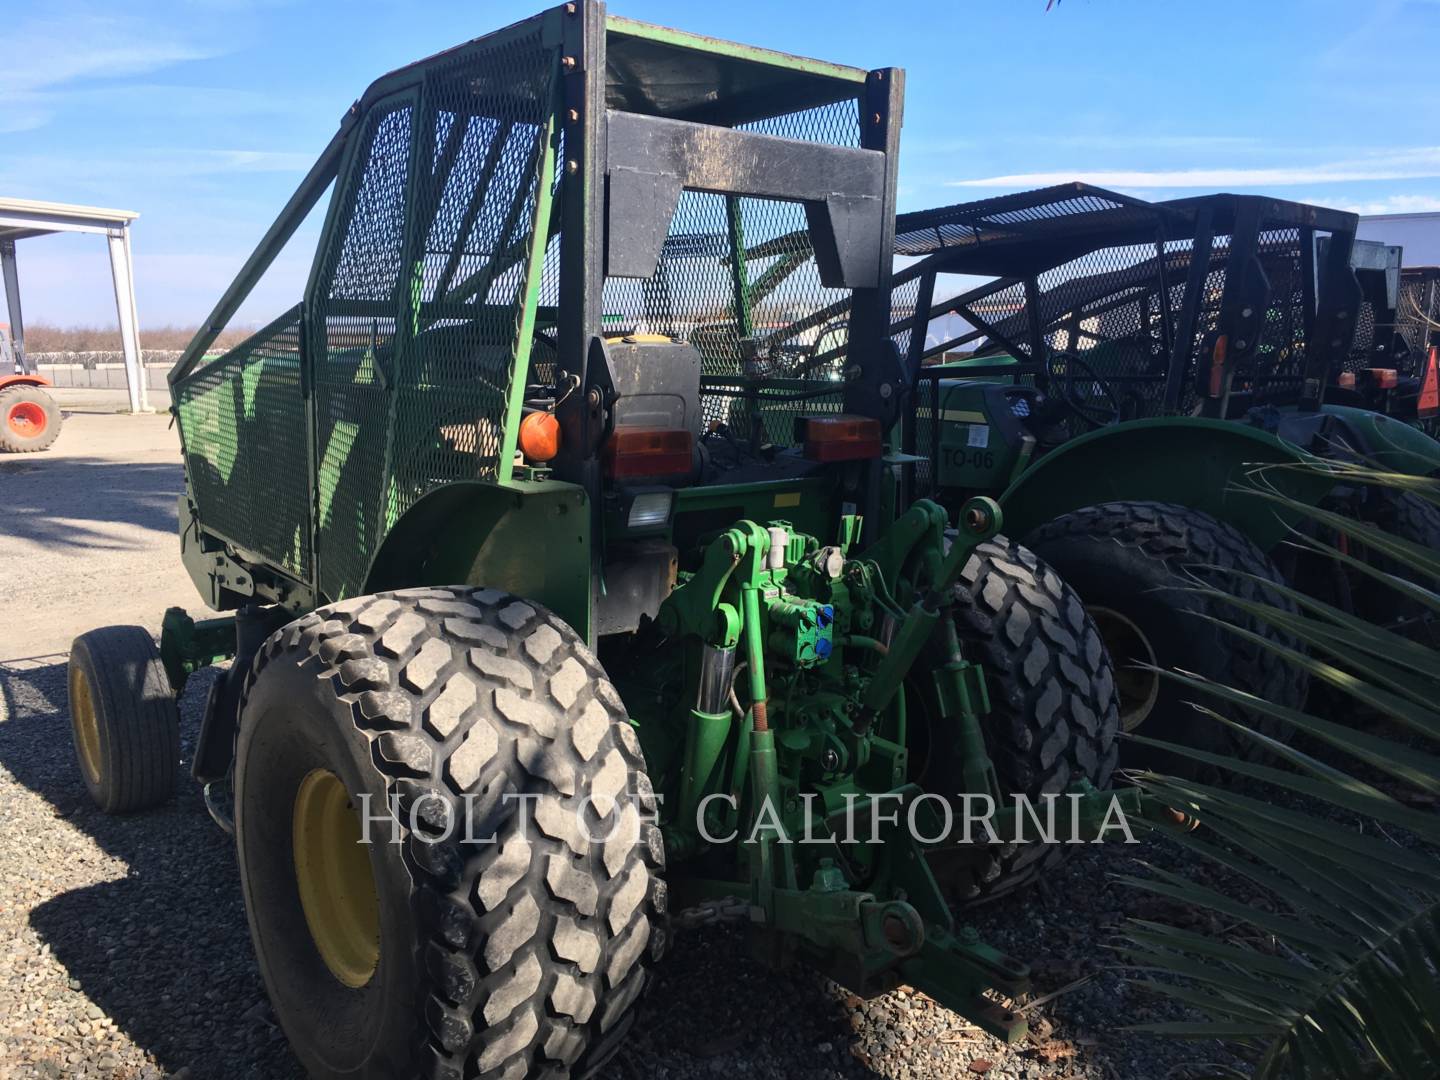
[637, 452]
[840, 438]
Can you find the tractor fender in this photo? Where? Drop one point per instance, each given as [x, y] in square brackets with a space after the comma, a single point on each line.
[7, 381]
[530, 538]
[1394, 444]
[1193, 461]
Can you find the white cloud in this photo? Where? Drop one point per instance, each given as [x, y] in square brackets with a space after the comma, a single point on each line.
[1398, 204]
[1144, 142]
[1410, 164]
[75, 46]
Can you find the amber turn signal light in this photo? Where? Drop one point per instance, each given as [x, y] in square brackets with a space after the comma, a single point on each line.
[539, 436]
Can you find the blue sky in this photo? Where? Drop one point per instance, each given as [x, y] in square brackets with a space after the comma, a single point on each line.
[203, 116]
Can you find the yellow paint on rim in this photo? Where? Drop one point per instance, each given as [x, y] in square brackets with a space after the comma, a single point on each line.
[332, 871]
[1137, 687]
[85, 723]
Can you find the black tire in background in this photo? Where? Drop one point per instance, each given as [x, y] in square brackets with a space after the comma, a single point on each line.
[1406, 516]
[524, 955]
[1133, 564]
[29, 420]
[1053, 712]
[123, 718]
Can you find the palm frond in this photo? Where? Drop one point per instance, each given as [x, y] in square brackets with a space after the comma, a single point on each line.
[1331, 967]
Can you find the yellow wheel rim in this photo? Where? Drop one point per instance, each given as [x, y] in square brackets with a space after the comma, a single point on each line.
[1138, 688]
[85, 723]
[337, 887]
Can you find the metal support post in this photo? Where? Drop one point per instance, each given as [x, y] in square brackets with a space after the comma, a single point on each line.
[12, 299]
[120, 270]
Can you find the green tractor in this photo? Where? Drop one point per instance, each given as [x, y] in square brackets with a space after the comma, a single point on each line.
[1111, 370]
[521, 595]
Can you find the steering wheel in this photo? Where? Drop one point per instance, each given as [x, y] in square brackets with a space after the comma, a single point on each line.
[1085, 409]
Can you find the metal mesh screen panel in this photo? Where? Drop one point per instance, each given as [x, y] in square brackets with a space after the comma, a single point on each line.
[1027, 214]
[1111, 316]
[738, 279]
[904, 295]
[1362, 347]
[423, 287]
[242, 426]
[1417, 317]
[1275, 370]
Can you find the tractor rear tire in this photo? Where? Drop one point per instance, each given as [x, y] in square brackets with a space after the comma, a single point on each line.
[1406, 516]
[1053, 710]
[124, 719]
[489, 931]
[29, 420]
[1134, 564]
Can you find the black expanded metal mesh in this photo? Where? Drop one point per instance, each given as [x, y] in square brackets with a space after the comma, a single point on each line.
[1275, 372]
[1026, 215]
[922, 436]
[904, 295]
[415, 333]
[737, 278]
[242, 426]
[1110, 317]
[1417, 317]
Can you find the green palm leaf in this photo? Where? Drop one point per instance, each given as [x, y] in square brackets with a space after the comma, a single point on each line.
[1332, 966]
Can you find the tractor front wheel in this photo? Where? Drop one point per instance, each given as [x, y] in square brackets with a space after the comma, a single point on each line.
[123, 718]
[502, 917]
[29, 419]
[1138, 566]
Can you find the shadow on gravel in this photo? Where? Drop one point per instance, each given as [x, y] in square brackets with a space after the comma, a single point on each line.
[52, 501]
[155, 936]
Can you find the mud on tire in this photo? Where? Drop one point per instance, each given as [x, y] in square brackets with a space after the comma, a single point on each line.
[1053, 714]
[521, 956]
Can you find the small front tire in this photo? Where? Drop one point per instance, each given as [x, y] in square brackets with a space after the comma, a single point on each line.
[123, 718]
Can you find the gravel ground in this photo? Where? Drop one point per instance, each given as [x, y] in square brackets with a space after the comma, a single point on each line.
[124, 951]
[124, 954]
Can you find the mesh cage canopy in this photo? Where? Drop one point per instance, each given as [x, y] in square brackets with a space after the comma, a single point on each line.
[1109, 317]
[434, 306]
[1060, 211]
[415, 337]
[411, 338]
[738, 279]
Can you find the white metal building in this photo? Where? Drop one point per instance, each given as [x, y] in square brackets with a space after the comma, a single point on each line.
[1418, 234]
[21, 219]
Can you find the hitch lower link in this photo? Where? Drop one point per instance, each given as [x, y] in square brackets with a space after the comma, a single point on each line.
[900, 929]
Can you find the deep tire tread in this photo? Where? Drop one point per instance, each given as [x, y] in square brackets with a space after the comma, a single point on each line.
[1054, 715]
[392, 657]
[1199, 549]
